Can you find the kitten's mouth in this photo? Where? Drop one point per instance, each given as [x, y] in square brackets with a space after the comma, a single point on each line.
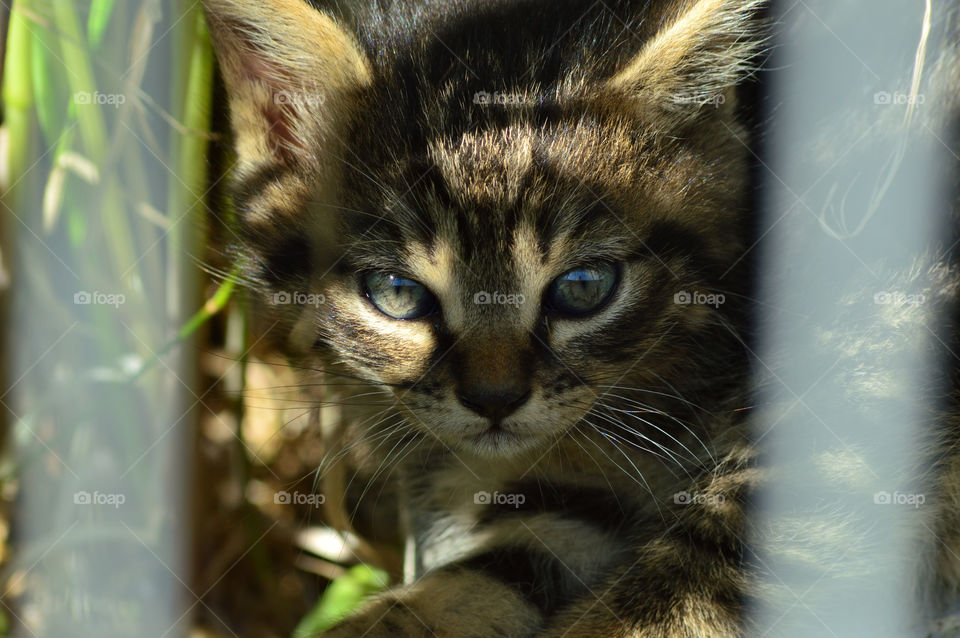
[495, 430]
[497, 439]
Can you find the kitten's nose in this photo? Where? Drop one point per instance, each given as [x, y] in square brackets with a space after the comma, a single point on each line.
[494, 403]
[493, 374]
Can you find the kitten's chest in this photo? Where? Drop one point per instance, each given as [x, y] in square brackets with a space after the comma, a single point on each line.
[455, 512]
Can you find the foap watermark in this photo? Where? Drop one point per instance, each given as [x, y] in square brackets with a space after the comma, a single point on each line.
[97, 298]
[84, 98]
[898, 98]
[514, 500]
[697, 298]
[698, 498]
[496, 298]
[504, 99]
[299, 98]
[699, 99]
[897, 298]
[298, 498]
[913, 499]
[286, 298]
[113, 499]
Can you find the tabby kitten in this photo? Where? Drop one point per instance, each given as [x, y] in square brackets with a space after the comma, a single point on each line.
[495, 211]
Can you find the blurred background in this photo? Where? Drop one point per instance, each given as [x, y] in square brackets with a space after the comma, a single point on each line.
[157, 456]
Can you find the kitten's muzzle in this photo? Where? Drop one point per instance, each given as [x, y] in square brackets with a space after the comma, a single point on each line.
[496, 405]
[493, 375]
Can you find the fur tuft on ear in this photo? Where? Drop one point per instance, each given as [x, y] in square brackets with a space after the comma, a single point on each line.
[693, 63]
[290, 72]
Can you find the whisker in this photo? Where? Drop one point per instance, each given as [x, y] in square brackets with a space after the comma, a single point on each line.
[654, 410]
[683, 400]
[380, 418]
[603, 472]
[409, 445]
[642, 482]
[693, 456]
[670, 454]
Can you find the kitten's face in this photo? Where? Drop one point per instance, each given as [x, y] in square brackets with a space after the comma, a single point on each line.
[498, 266]
[502, 280]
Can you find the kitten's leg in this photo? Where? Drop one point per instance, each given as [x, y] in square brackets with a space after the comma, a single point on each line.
[570, 563]
[487, 596]
[678, 587]
[500, 569]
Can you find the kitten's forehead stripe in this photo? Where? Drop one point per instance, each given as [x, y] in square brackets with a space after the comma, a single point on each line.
[252, 184]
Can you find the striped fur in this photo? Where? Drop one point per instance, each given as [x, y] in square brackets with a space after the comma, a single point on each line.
[489, 146]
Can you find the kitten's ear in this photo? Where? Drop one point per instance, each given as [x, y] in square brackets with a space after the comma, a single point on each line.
[690, 67]
[290, 73]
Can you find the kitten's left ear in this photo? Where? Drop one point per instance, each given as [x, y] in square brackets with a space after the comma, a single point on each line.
[290, 72]
[690, 67]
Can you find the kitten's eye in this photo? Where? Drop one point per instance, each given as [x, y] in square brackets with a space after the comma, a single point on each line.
[398, 297]
[582, 290]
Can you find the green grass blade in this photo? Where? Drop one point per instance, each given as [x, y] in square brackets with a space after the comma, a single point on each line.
[83, 83]
[341, 597]
[18, 96]
[100, 13]
[214, 304]
[49, 85]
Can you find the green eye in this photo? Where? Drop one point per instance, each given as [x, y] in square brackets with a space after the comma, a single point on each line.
[398, 297]
[582, 290]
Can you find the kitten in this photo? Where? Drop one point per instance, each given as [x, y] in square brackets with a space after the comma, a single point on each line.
[494, 213]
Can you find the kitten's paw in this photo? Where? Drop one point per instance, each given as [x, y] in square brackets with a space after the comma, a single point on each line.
[452, 604]
[436, 614]
[385, 619]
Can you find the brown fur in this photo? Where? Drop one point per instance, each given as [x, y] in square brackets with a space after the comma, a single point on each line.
[631, 154]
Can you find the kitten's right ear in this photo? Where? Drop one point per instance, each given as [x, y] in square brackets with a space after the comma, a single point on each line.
[690, 67]
[291, 73]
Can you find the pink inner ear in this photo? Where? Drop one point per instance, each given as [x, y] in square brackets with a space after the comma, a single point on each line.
[284, 143]
[279, 116]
